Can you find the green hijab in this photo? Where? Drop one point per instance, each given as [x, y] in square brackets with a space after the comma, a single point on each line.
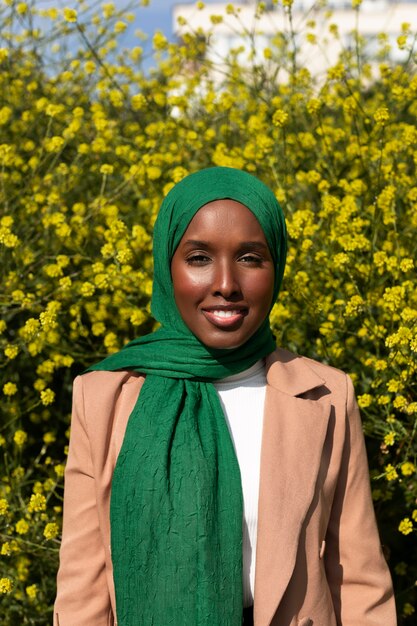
[176, 502]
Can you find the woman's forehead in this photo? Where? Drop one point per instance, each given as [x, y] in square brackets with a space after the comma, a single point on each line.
[225, 215]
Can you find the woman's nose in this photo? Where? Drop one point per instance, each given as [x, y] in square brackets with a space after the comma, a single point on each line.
[225, 281]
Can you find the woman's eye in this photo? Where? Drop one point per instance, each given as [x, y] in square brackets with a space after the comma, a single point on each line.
[253, 259]
[197, 259]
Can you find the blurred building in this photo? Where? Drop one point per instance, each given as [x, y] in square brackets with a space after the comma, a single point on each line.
[320, 33]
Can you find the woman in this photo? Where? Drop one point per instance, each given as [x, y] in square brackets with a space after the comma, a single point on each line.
[175, 422]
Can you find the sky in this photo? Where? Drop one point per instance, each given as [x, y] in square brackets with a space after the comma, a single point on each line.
[158, 15]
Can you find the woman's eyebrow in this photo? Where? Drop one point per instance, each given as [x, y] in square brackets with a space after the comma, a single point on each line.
[251, 245]
[197, 243]
[254, 245]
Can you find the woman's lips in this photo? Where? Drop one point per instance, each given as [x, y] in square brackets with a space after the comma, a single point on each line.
[225, 318]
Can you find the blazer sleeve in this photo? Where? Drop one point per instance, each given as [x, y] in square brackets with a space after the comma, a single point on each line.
[357, 572]
[82, 592]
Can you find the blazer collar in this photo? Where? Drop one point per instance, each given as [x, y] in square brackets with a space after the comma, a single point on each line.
[291, 373]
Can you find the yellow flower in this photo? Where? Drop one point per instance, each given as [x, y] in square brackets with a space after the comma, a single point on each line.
[47, 396]
[70, 15]
[9, 389]
[120, 27]
[20, 437]
[280, 118]
[138, 317]
[52, 13]
[89, 67]
[65, 283]
[54, 109]
[39, 384]
[59, 470]
[7, 238]
[22, 527]
[383, 399]
[110, 342]
[11, 351]
[334, 29]
[390, 472]
[37, 503]
[108, 9]
[6, 549]
[106, 169]
[54, 144]
[138, 101]
[336, 72]
[381, 116]
[4, 505]
[159, 41]
[32, 591]
[402, 41]
[408, 468]
[22, 8]
[124, 255]
[136, 53]
[406, 265]
[6, 585]
[400, 402]
[412, 408]
[37, 487]
[354, 306]
[408, 609]
[389, 439]
[154, 172]
[87, 289]
[51, 530]
[394, 385]
[98, 328]
[5, 115]
[406, 526]
[49, 484]
[19, 471]
[49, 438]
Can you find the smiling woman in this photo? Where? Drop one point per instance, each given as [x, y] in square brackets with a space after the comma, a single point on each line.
[213, 478]
[223, 275]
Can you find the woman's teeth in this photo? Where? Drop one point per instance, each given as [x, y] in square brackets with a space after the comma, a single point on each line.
[225, 314]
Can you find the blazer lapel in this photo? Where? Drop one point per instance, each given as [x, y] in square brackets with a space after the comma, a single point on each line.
[294, 432]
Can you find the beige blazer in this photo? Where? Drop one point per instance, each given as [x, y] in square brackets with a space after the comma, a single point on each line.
[318, 560]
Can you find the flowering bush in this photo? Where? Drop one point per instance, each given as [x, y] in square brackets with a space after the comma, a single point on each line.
[90, 143]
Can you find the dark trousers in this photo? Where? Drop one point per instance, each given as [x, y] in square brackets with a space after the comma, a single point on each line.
[247, 619]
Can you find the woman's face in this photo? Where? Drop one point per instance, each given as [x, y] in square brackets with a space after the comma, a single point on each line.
[223, 275]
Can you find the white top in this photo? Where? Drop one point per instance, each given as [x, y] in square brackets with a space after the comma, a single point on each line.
[242, 397]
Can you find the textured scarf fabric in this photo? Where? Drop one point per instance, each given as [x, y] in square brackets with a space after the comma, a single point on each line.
[176, 503]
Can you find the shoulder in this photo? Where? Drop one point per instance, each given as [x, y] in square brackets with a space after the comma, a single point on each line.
[328, 372]
[298, 373]
[107, 382]
[99, 394]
